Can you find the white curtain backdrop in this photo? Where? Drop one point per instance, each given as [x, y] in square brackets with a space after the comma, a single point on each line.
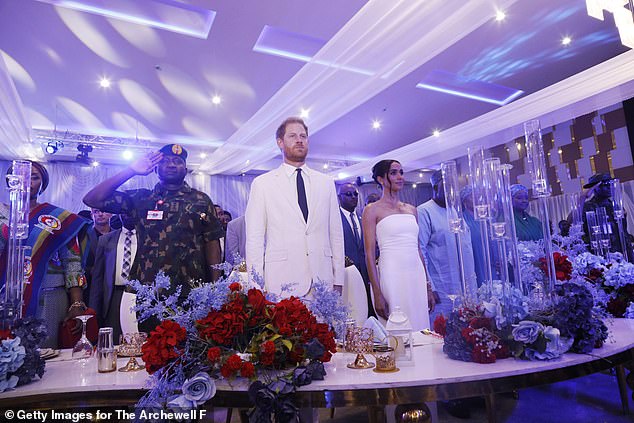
[70, 182]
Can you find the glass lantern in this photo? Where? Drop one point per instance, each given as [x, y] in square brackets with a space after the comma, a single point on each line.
[399, 326]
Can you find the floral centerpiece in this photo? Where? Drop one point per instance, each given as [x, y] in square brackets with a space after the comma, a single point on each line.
[224, 330]
[473, 332]
[470, 336]
[588, 288]
[20, 359]
[613, 279]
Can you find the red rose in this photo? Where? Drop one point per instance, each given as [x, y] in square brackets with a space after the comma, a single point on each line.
[235, 286]
[267, 353]
[5, 334]
[267, 359]
[226, 372]
[440, 325]
[326, 336]
[222, 326]
[247, 370]
[617, 306]
[257, 301]
[481, 322]
[231, 366]
[480, 354]
[563, 266]
[161, 346]
[595, 274]
[213, 354]
[234, 362]
[467, 334]
[268, 347]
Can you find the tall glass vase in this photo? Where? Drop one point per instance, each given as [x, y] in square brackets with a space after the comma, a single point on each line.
[19, 182]
[481, 208]
[455, 217]
[503, 232]
[616, 191]
[594, 232]
[541, 191]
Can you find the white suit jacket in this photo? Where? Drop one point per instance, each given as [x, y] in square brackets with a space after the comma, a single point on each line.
[284, 248]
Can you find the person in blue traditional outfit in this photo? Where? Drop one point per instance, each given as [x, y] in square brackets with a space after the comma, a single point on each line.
[54, 259]
[527, 227]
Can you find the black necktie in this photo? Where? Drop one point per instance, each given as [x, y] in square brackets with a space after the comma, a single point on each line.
[355, 228]
[301, 194]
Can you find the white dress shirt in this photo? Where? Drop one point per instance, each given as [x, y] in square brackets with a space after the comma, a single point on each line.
[291, 172]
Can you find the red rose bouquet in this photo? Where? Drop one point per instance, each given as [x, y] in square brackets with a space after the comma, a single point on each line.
[225, 331]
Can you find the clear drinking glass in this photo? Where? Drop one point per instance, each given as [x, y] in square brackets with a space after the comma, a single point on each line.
[83, 349]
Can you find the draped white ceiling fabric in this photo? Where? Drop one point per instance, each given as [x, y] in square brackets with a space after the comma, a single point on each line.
[600, 86]
[15, 132]
[382, 43]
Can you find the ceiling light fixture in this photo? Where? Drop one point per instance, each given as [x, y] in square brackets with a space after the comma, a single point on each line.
[500, 15]
[53, 147]
[420, 174]
[95, 163]
[203, 155]
[104, 82]
[127, 154]
[325, 166]
[566, 41]
[376, 124]
[414, 186]
[436, 133]
[216, 99]
[623, 17]
[82, 158]
[304, 113]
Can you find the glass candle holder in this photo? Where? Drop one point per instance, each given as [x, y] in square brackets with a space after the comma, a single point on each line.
[536, 159]
[616, 193]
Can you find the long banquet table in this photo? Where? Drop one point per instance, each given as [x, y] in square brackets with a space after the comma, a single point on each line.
[68, 384]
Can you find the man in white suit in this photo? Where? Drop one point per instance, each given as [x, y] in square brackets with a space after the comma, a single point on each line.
[294, 233]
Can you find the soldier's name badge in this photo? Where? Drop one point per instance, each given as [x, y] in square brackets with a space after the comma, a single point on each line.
[154, 215]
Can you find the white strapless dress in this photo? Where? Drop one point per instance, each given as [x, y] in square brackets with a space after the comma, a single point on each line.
[401, 272]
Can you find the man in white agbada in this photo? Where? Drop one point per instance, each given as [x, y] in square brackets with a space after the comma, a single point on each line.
[438, 245]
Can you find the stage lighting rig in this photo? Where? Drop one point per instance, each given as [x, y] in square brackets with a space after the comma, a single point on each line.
[82, 157]
[53, 147]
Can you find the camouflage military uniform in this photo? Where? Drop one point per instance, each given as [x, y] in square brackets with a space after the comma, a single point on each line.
[174, 243]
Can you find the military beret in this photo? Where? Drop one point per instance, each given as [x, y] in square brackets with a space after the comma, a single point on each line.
[174, 150]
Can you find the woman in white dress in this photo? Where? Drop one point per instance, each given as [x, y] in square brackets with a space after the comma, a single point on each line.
[401, 279]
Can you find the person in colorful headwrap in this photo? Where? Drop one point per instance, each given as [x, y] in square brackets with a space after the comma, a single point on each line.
[527, 227]
[54, 261]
